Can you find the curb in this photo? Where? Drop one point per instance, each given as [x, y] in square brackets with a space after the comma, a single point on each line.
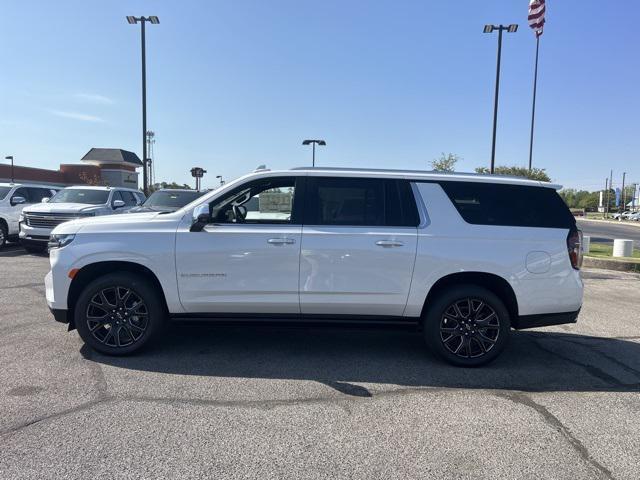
[612, 222]
[618, 265]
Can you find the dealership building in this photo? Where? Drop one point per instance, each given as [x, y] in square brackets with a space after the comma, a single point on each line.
[100, 166]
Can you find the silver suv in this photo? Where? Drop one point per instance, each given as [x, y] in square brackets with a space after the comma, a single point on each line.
[70, 203]
[13, 198]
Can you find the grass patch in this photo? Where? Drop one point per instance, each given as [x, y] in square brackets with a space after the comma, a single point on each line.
[601, 250]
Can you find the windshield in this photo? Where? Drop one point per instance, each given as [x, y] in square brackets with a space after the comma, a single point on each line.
[4, 191]
[92, 197]
[171, 199]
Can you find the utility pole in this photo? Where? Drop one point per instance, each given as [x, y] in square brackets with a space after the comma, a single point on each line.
[606, 196]
[624, 203]
[145, 160]
[489, 29]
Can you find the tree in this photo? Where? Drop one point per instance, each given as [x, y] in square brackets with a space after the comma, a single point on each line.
[446, 162]
[539, 174]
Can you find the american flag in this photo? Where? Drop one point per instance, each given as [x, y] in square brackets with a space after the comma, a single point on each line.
[536, 16]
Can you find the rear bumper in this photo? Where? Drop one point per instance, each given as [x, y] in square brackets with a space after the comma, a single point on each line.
[546, 320]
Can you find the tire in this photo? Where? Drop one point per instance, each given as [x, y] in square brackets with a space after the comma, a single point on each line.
[139, 315]
[454, 325]
[35, 249]
[3, 234]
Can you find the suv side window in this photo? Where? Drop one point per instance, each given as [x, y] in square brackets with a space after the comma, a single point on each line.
[37, 194]
[264, 201]
[129, 198]
[357, 202]
[482, 203]
[116, 196]
[22, 192]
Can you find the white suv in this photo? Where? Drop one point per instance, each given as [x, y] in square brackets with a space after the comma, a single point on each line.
[463, 257]
[37, 222]
[13, 198]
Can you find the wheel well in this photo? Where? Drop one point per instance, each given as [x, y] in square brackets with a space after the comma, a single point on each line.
[92, 271]
[4, 223]
[496, 284]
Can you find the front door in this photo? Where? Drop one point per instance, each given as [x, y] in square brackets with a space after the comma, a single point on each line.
[358, 246]
[247, 259]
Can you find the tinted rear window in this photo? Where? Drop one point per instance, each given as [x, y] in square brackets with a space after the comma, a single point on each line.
[359, 202]
[509, 205]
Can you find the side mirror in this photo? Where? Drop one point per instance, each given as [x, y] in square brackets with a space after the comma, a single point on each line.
[201, 217]
[118, 204]
[45, 200]
[18, 200]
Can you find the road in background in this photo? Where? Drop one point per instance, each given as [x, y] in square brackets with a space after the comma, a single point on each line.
[605, 232]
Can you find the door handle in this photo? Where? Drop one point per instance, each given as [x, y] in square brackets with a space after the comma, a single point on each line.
[389, 243]
[281, 241]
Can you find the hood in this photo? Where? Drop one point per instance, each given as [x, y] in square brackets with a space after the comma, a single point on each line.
[62, 207]
[104, 223]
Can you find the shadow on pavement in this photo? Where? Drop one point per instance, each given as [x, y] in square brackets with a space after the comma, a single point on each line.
[337, 357]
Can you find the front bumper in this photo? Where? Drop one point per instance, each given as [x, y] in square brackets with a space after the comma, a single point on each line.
[60, 315]
[33, 236]
[546, 320]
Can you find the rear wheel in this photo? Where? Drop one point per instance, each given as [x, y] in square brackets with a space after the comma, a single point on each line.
[119, 313]
[467, 325]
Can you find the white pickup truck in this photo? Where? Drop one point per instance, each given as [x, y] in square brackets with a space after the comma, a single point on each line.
[463, 258]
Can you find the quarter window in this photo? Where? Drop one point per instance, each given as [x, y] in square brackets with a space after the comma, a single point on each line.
[509, 205]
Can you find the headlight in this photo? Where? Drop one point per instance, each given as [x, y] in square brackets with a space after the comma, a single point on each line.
[21, 218]
[60, 240]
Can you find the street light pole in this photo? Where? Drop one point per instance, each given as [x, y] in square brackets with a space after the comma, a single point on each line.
[313, 143]
[10, 157]
[145, 163]
[489, 29]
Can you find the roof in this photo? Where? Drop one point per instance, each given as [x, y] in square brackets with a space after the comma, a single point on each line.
[426, 175]
[111, 155]
[98, 187]
[29, 184]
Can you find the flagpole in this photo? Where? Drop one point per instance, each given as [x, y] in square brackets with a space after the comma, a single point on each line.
[533, 107]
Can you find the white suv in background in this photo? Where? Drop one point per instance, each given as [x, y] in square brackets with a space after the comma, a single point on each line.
[465, 258]
[13, 198]
[37, 222]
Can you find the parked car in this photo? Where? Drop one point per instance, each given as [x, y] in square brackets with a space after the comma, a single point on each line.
[13, 198]
[619, 215]
[635, 216]
[37, 221]
[463, 257]
[168, 200]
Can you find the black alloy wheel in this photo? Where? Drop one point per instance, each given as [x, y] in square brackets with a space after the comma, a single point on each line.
[467, 325]
[119, 313]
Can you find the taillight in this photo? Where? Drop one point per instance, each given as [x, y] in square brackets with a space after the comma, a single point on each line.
[574, 246]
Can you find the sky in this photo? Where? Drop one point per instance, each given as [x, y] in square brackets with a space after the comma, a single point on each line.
[387, 83]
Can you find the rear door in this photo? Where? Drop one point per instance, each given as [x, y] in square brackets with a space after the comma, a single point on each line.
[246, 260]
[358, 246]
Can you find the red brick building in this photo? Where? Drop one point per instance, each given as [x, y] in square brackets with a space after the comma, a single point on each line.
[102, 166]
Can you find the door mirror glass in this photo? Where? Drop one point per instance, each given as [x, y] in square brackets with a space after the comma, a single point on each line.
[17, 200]
[118, 204]
[45, 200]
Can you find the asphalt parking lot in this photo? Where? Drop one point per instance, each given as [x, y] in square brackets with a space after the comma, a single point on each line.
[273, 402]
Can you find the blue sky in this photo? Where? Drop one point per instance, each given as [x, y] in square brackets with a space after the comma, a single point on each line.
[235, 84]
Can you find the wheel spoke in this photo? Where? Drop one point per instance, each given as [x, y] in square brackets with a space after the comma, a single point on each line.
[469, 328]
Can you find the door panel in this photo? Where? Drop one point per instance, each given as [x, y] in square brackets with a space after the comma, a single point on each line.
[356, 270]
[239, 268]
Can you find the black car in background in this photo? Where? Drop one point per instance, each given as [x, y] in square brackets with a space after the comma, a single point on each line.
[168, 200]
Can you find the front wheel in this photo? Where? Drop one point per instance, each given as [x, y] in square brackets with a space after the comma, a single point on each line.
[119, 313]
[467, 325]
